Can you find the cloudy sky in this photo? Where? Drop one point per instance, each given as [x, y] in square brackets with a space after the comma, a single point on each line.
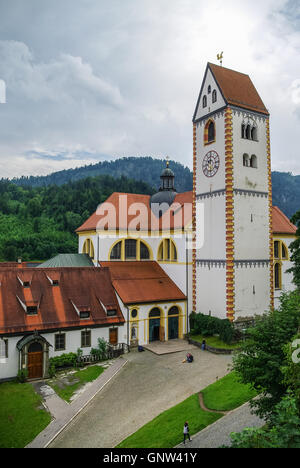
[89, 80]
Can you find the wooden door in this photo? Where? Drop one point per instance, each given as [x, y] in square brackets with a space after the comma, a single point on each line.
[35, 365]
[113, 336]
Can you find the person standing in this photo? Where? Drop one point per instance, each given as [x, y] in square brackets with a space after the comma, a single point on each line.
[186, 432]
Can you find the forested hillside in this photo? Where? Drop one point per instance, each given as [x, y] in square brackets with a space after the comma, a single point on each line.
[286, 187]
[38, 223]
[146, 169]
[38, 218]
[286, 192]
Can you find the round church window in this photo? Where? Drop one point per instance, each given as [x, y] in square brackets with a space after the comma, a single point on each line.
[133, 313]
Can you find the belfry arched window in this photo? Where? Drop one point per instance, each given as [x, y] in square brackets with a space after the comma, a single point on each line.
[253, 161]
[249, 129]
[246, 160]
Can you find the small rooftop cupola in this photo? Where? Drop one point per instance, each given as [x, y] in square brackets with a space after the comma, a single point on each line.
[167, 192]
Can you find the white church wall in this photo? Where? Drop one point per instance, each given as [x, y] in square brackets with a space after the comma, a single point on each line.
[251, 227]
[252, 290]
[211, 107]
[211, 291]
[9, 366]
[250, 178]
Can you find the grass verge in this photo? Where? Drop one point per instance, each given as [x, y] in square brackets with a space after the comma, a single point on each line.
[21, 416]
[215, 342]
[227, 394]
[80, 378]
[165, 431]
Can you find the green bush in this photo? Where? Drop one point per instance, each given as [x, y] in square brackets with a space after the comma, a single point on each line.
[64, 360]
[207, 325]
[22, 375]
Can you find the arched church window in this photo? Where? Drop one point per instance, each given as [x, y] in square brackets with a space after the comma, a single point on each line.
[245, 160]
[144, 251]
[154, 312]
[254, 133]
[243, 131]
[248, 132]
[209, 132]
[204, 102]
[280, 250]
[253, 161]
[167, 251]
[277, 275]
[249, 129]
[116, 251]
[284, 252]
[209, 90]
[214, 96]
[88, 248]
[130, 249]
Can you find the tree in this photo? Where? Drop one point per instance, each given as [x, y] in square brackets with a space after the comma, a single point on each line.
[295, 249]
[262, 356]
[282, 429]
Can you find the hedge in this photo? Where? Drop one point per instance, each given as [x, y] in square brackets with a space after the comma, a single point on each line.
[207, 325]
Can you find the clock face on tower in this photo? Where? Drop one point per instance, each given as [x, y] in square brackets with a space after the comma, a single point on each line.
[211, 164]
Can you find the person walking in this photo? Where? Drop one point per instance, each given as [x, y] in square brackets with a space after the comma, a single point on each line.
[186, 432]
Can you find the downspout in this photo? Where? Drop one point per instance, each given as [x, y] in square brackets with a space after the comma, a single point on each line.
[127, 326]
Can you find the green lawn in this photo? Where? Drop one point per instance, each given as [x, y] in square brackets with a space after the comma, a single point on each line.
[165, 431]
[227, 393]
[215, 342]
[21, 419]
[84, 376]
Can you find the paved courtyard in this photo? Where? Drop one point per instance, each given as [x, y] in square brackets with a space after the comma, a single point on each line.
[148, 385]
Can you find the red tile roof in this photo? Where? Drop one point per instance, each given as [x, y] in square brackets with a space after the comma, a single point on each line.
[281, 223]
[81, 288]
[142, 282]
[132, 211]
[238, 89]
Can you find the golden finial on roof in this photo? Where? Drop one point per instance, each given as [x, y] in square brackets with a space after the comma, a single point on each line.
[167, 158]
[220, 58]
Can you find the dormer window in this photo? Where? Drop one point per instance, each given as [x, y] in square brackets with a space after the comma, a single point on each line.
[31, 310]
[111, 312]
[84, 314]
[55, 283]
[26, 284]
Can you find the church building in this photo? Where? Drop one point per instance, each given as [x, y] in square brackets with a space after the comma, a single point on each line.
[145, 263]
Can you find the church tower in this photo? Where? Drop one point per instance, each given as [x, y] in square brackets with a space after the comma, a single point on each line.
[232, 267]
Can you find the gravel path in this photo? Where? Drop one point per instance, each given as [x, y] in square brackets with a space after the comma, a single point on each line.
[218, 433]
[144, 388]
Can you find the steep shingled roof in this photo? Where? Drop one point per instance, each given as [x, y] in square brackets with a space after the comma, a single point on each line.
[57, 305]
[126, 209]
[238, 89]
[281, 223]
[142, 282]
